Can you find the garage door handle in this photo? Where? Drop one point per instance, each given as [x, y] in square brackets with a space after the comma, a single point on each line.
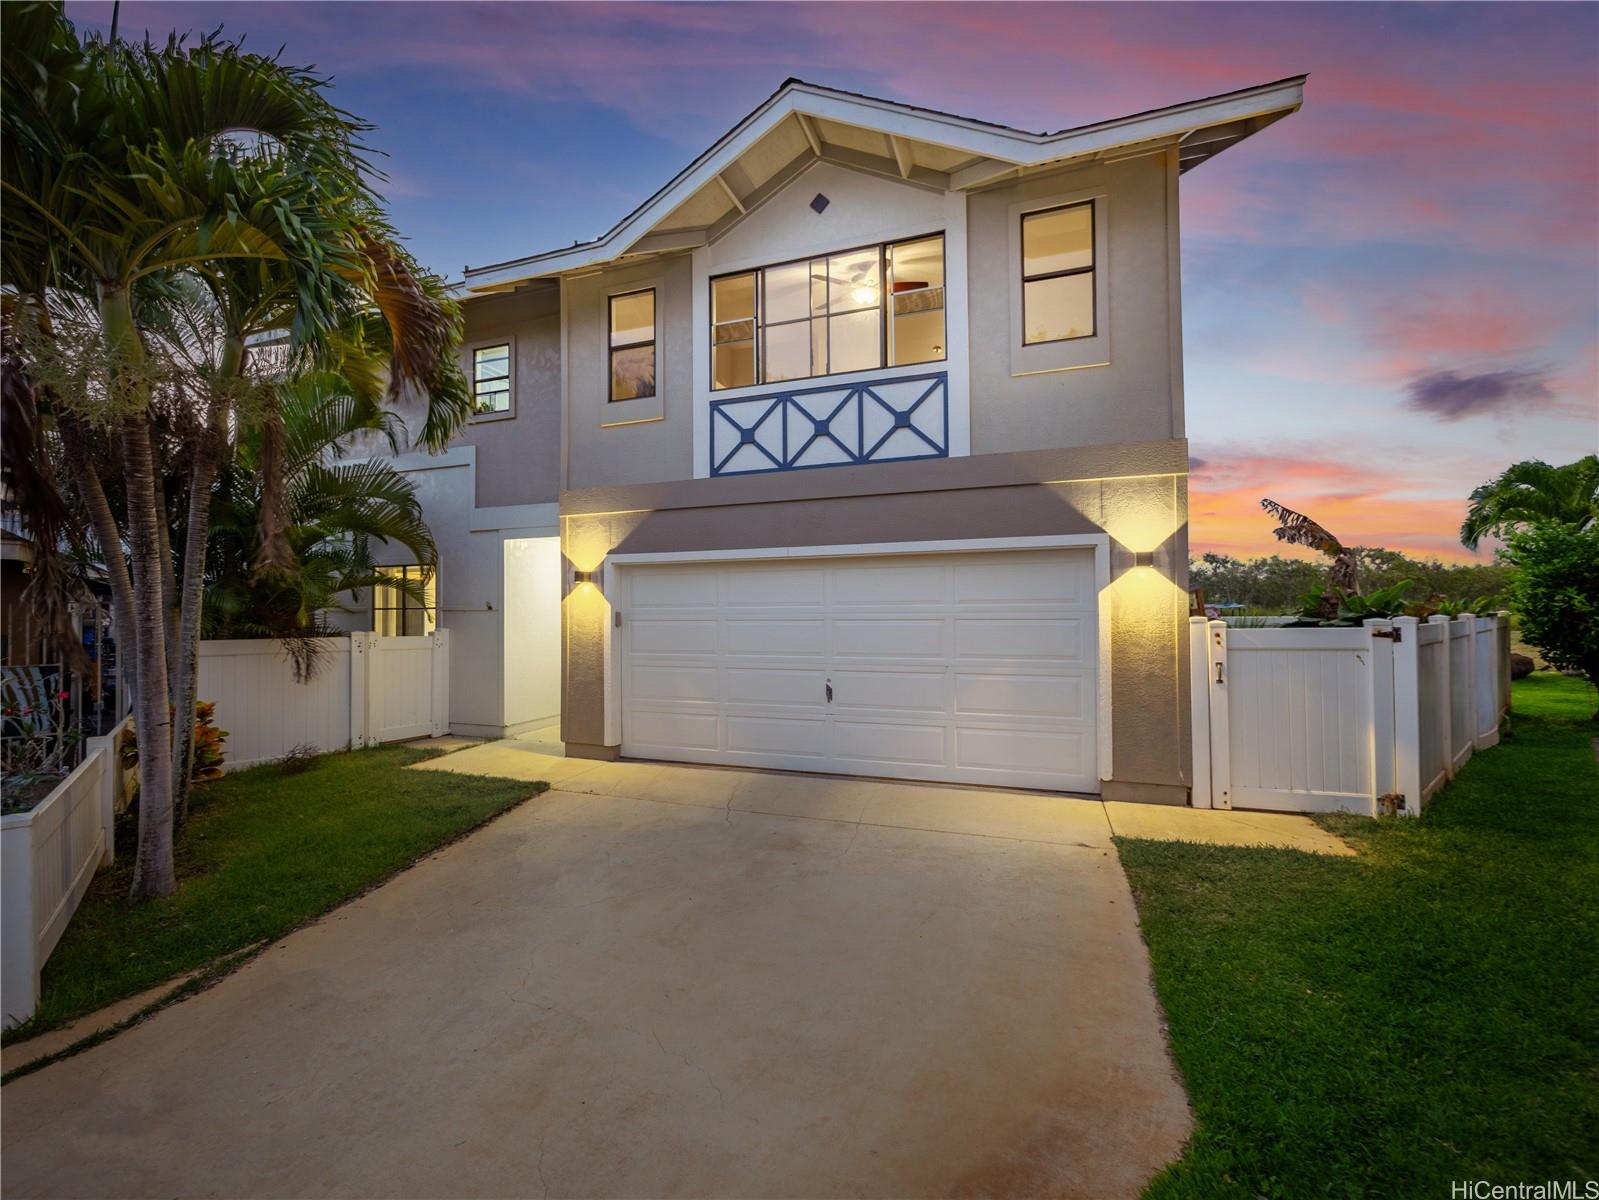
[830, 691]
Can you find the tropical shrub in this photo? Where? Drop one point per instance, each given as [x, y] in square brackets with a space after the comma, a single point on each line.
[1556, 594]
[1351, 608]
[208, 739]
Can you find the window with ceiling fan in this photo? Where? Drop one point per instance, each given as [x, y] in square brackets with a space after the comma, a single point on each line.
[852, 310]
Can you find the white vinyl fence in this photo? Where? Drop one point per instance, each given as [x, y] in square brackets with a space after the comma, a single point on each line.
[1365, 720]
[367, 690]
[48, 855]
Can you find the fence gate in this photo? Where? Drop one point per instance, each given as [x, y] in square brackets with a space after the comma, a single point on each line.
[1339, 719]
[399, 687]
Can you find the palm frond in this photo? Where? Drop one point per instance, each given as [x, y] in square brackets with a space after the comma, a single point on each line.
[1296, 529]
[1531, 492]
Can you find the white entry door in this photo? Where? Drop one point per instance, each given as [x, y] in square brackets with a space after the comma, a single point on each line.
[969, 668]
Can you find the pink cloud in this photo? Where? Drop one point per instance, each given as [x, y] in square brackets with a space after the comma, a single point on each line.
[1361, 504]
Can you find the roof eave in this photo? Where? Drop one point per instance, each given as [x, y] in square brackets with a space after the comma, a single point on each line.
[1250, 109]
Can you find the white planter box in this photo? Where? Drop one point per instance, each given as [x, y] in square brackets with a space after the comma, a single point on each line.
[47, 858]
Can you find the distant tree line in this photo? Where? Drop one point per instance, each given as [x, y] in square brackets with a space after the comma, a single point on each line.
[1273, 583]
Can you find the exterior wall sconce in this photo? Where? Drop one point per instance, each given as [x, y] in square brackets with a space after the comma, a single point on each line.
[1144, 558]
[581, 577]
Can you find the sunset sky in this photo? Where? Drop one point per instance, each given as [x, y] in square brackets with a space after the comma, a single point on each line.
[1388, 297]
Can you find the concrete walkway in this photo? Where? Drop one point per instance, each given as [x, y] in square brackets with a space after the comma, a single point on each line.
[988, 812]
[694, 993]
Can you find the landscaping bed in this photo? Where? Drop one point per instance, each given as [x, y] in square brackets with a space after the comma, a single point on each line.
[263, 851]
[1425, 1012]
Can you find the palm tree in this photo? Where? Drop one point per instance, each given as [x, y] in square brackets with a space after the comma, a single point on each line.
[126, 171]
[334, 510]
[1532, 492]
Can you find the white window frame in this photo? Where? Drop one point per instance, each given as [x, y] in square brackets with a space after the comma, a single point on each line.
[432, 616]
[643, 408]
[1070, 354]
[470, 349]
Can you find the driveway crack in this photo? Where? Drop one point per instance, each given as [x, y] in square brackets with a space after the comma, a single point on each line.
[691, 1064]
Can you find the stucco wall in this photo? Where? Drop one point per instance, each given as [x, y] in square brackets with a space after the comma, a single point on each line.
[1136, 494]
[519, 457]
[656, 443]
[1136, 395]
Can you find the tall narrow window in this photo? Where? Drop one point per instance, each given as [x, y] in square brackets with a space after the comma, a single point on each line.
[733, 331]
[406, 607]
[856, 310]
[491, 379]
[633, 345]
[1058, 274]
[916, 290]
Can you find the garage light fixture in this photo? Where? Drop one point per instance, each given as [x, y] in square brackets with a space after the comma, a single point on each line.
[1144, 558]
[581, 577]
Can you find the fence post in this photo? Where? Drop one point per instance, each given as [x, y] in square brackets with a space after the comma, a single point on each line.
[1380, 649]
[360, 681]
[1199, 703]
[1502, 633]
[1221, 762]
[1444, 698]
[1472, 682]
[440, 714]
[1407, 713]
[110, 780]
[19, 975]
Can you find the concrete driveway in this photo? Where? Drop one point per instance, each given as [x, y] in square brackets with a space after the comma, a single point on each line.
[662, 981]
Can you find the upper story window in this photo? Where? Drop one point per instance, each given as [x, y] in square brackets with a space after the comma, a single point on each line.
[632, 332]
[856, 310]
[408, 609]
[1058, 274]
[491, 379]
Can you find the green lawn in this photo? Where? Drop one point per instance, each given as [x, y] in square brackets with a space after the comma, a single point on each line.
[1425, 1012]
[261, 853]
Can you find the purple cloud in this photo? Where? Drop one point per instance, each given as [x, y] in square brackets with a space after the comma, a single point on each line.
[1451, 395]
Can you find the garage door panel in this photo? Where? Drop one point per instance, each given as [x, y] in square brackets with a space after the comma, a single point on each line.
[888, 637]
[689, 730]
[1053, 579]
[674, 587]
[1019, 637]
[799, 637]
[773, 587]
[653, 636]
[1062, 752]
[901, 585]
[776, 685]
[675, 683]
[1021, 695]
[777, 735]
[888, 689]
[883, 742]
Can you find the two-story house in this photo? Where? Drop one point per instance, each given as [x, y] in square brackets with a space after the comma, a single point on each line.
[858, 447]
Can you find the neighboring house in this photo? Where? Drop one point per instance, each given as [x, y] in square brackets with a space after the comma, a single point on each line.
[858, 447]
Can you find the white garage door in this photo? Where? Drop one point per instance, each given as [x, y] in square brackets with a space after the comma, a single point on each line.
[970, 668]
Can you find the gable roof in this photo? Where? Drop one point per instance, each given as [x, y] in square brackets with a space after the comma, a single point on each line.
[803, 122]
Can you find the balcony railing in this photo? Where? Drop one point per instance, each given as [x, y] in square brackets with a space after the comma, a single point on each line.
[883, 420]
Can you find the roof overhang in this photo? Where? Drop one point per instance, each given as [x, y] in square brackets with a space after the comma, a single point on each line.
[803, 123]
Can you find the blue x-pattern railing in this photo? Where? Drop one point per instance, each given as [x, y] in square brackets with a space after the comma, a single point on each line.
[781, 443]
